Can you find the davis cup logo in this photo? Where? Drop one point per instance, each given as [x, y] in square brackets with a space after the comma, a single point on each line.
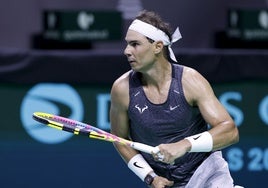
[54, 99]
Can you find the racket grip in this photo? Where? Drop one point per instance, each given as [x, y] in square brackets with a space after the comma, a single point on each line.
[159, 155]
[148, 149]
[144, 148]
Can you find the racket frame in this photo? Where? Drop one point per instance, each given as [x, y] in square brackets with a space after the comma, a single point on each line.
[79, 128]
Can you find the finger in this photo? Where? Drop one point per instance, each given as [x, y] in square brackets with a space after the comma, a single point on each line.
[156, 150]
[169, 184]
[157, 154]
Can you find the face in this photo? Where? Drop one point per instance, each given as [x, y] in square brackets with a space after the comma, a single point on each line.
[139, 51]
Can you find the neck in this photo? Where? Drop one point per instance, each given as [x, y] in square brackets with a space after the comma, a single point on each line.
[158, 76]
[157, 84]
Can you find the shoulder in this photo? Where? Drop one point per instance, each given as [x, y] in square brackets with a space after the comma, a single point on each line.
[195, 85]
[122, 82]
[190, 72]
[120, 89]
[193, 77]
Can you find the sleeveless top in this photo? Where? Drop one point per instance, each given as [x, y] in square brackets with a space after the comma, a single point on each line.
[169, 122]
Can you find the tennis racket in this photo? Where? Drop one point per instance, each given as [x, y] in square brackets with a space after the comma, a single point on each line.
[79, 128]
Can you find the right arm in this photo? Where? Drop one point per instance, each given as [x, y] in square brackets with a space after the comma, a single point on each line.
[119, 116]
[120, 127]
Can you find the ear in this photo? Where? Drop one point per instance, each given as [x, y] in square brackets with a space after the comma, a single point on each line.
[158, 46]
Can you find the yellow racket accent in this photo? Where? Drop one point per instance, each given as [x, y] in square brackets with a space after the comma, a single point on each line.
[56, 125]
[76, 131]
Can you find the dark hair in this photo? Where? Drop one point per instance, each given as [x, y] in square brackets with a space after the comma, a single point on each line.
[154, 19]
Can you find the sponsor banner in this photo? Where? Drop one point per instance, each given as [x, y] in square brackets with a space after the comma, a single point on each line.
[82, 25]
[248, 24]
[247, 102]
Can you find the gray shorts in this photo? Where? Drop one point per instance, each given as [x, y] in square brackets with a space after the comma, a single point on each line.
[212, 173]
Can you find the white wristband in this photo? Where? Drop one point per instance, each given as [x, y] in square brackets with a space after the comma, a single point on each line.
[139, 166]
[202, 142]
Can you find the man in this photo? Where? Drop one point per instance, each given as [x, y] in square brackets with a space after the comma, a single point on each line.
[169, 106]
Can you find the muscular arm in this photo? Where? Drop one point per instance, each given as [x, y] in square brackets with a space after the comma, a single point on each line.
[199, 92]
[119, 116]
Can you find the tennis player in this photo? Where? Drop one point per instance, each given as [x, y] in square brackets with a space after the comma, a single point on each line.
[167, 105]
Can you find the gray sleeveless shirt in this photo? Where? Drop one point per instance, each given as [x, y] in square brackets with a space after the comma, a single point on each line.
[168, 122]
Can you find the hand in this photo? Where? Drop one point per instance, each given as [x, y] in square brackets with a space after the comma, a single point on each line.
[161, 182]
[171, 152]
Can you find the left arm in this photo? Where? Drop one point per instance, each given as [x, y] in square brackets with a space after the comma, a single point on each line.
[223, 129]
[198, 92]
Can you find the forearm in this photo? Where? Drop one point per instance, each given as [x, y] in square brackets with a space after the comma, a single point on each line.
[135, 161]
[216, 138]
[125, 152]
[224, 135]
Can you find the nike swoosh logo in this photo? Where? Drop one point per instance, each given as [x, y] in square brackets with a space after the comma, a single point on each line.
[176, 91]
[196, 137]
[135, 164]
[173, 107]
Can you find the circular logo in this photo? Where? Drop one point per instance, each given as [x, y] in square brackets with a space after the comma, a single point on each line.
[263, 19]
[58, 99]
[84, 20]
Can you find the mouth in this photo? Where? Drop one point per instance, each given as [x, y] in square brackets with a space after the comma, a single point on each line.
[131, 61]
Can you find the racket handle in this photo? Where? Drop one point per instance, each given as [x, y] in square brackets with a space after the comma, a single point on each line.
[148, 149]
[144, 148]
[159, 155]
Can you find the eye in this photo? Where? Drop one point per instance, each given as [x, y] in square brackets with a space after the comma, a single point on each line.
[134, 44]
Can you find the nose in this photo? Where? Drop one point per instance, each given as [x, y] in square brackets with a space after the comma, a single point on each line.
[127, 51]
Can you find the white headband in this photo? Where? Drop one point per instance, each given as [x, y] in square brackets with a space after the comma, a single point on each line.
[156, 34]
